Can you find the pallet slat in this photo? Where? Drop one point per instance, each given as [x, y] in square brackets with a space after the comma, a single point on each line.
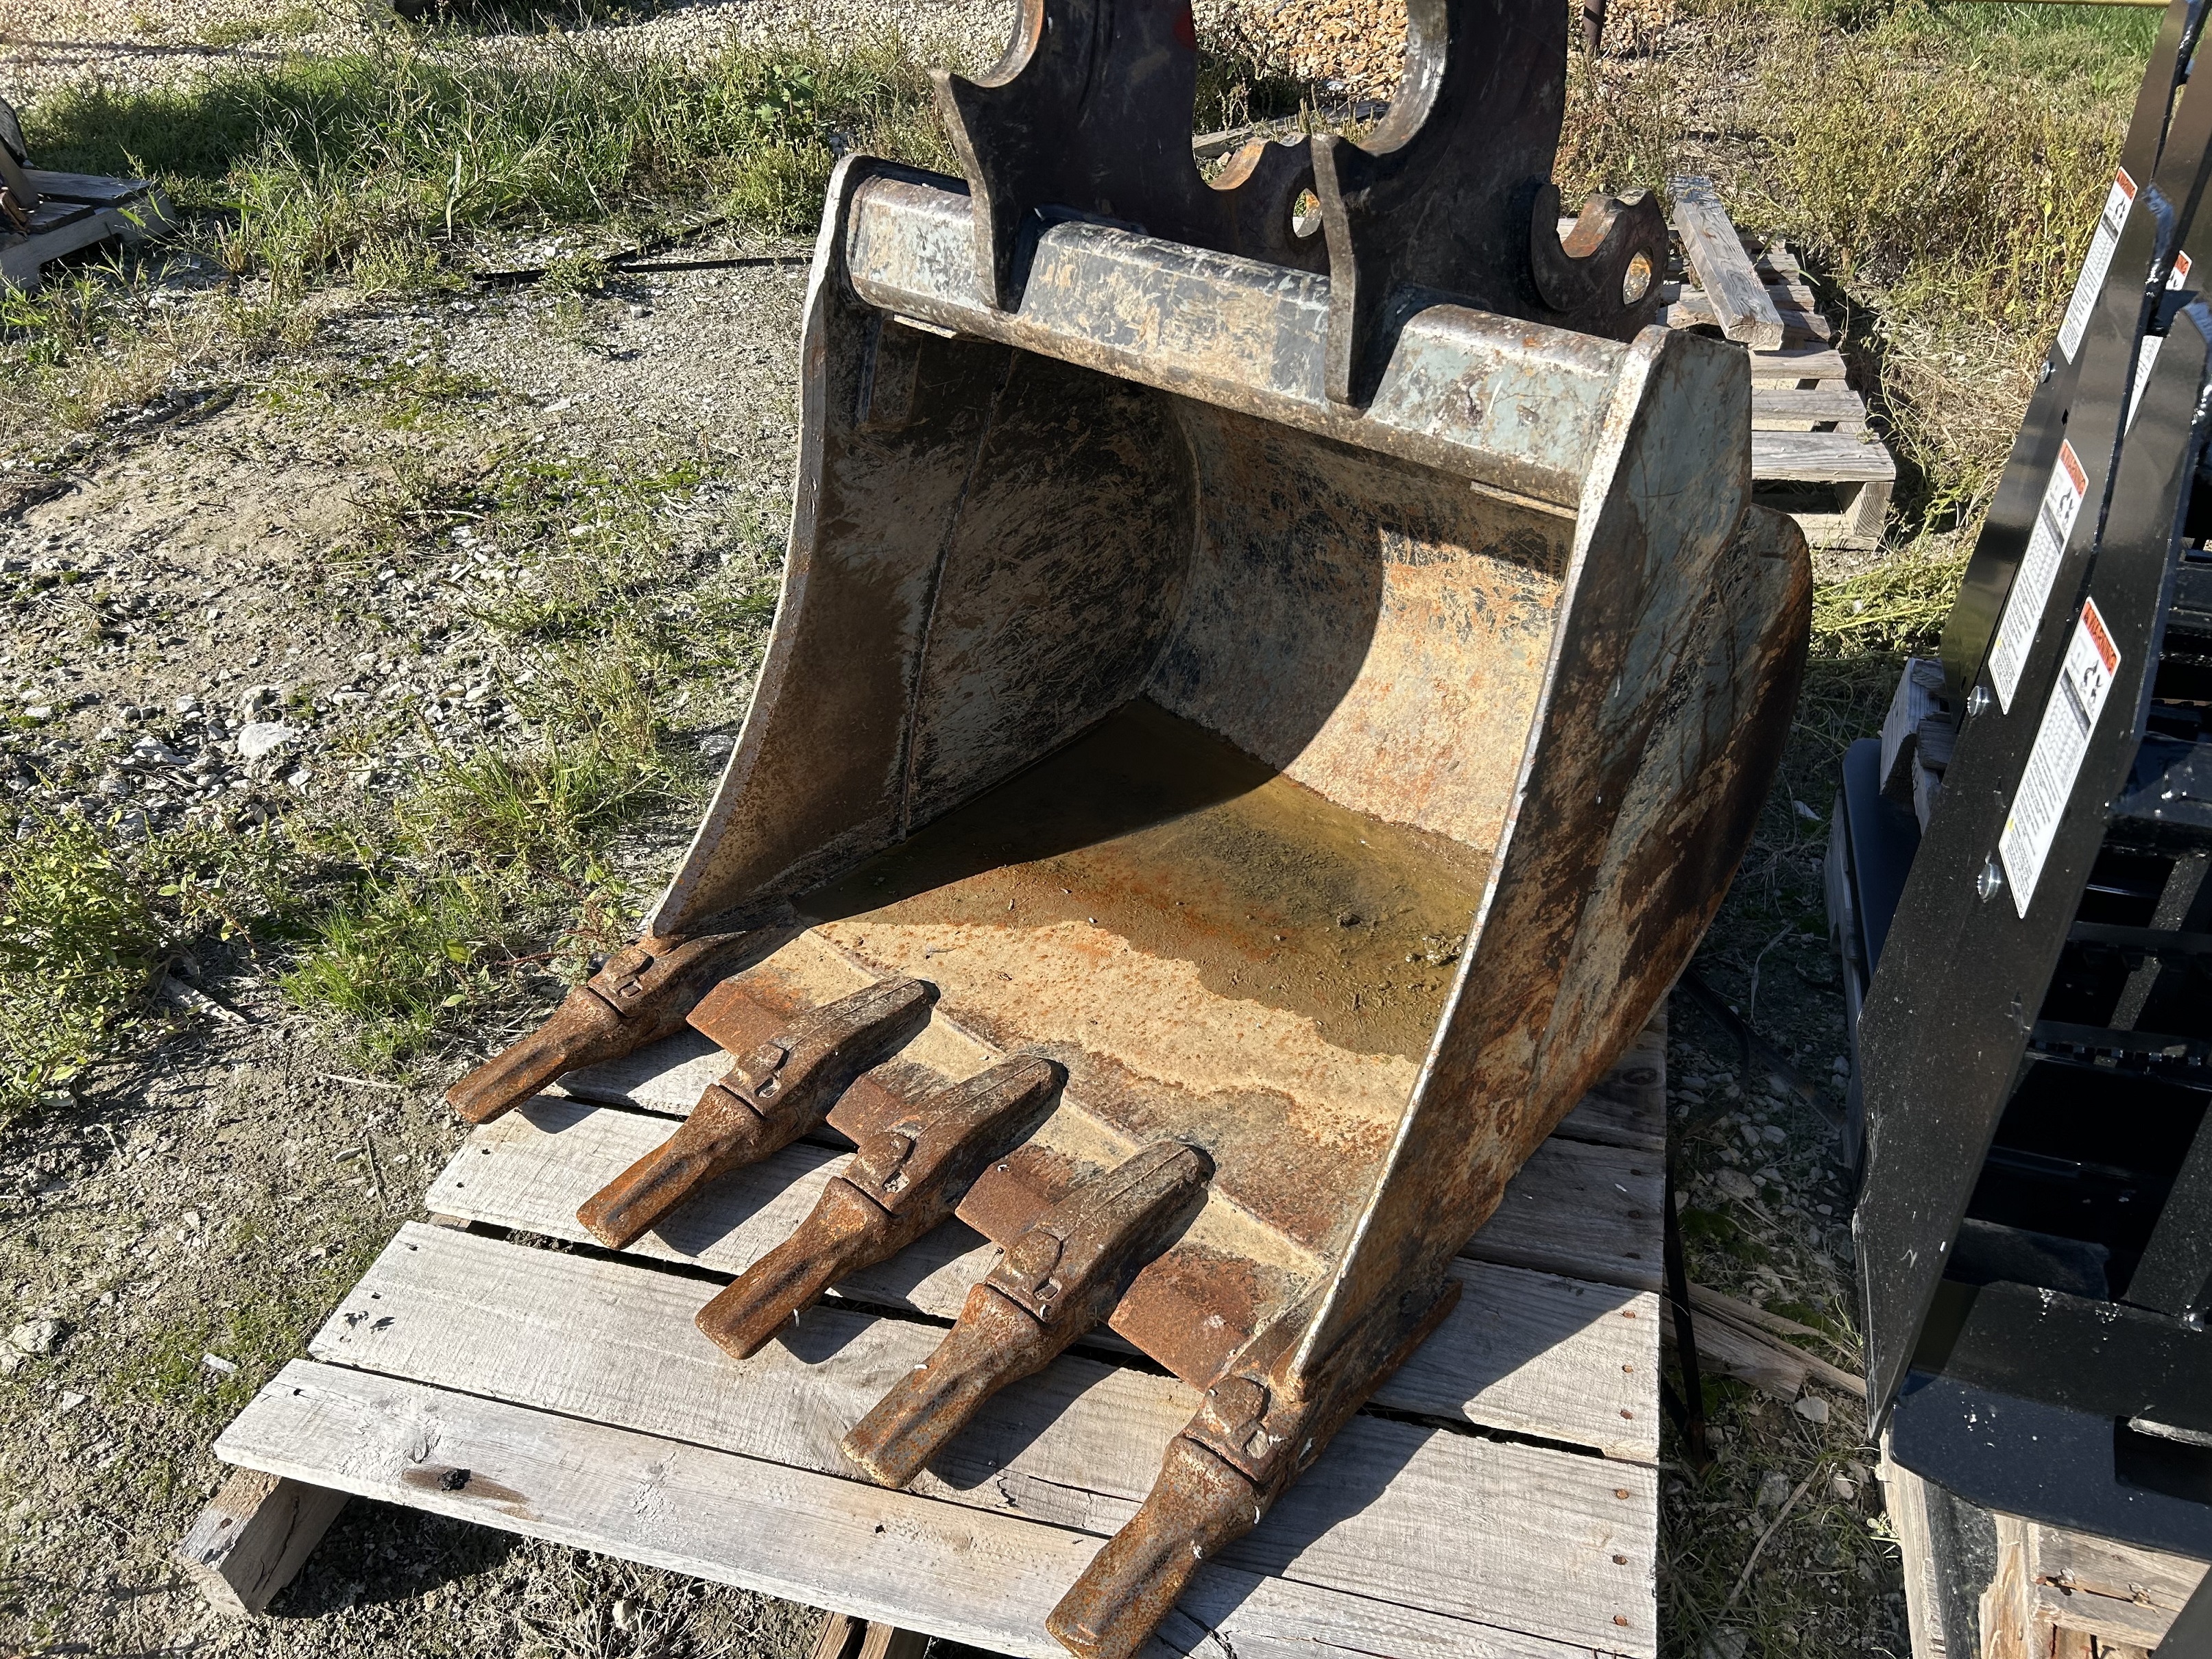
[960, 1573]
[1820, 458]
[1737, 297]
[1774, 407]
[1445, 1518]
[1793, 304]
[1529, 1352]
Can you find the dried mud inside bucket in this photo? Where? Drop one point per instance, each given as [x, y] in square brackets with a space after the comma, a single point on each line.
[1212, 949]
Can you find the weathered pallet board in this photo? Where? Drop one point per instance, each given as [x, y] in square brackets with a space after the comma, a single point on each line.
[2047, 1593]
[1736, 297]
[946, 1569]
[79, 211]
[1808, 428]
[1530, 1352]
[1578, 1208]
[1776, 409]
[1821, 458]
[1077, 1446]
[1793, 303]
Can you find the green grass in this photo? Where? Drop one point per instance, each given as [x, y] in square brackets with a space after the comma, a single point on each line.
[89, 923]
[493, 871]
[378, 166]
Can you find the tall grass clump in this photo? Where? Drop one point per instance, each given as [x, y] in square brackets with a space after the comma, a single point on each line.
[374, 165]
[90, 923]
[1947, 165]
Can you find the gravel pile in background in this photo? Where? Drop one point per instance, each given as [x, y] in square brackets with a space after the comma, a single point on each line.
[1356, 48]
[44, 43]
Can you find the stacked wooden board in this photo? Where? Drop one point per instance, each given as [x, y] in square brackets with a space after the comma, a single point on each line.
[1980, 1585]
[1500, 1498]
[1811, 455]
[76, 211]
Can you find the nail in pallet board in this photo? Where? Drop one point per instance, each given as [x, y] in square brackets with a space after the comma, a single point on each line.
[1499, 1499]
[1810, 454]
[77, 211]
[1981, 1585]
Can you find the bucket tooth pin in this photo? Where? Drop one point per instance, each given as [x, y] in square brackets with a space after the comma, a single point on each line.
[640, 995]
[902, 1182]
[1060, 1278]
[769, 1099]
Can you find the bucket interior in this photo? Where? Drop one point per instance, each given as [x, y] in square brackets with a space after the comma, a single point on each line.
[1211, 734]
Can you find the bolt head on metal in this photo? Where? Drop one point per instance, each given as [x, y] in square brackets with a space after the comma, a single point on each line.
[1990, 882]
[1978, 701]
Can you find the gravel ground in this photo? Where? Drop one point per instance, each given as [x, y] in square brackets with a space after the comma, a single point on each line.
[185, 644]
[45, 44]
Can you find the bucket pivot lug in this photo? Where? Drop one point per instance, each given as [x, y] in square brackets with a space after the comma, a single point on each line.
[640, 995]
[779, 1091]
[1060, 1278]
[902, 1183]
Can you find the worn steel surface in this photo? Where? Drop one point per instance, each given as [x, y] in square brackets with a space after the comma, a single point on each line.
[1060, 1277]
[902, 1182]
[1295, 687]
[780, 1090]
[640, 994]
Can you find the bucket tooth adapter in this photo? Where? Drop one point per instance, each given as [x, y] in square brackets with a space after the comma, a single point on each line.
[902, 1182]
[1056, 1282]
[1307, 671]
[779, 1091]
[640, 995]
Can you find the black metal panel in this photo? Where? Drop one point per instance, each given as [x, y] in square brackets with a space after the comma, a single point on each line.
[2089, 1356]
[1942, 1047]
[1884, 836]
[2068, 1469]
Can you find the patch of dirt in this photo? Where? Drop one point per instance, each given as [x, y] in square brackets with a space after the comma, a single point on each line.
[191, 1221]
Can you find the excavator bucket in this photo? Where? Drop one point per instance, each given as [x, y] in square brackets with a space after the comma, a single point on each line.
[1274, 675]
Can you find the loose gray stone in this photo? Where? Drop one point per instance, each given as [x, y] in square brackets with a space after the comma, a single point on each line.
[37, 1336]
[258, 739]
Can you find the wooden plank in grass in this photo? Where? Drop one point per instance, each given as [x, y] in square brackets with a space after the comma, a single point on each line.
[1738, 297]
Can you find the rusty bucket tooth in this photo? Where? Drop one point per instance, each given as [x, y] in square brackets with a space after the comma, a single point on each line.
[1201, 1503]
[769, 1099]
[1060, 1278]
[1260, 1425]
[640, 995]
[902, 1182]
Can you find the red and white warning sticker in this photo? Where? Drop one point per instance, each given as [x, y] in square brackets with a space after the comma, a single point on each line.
[2038, 568]
[2110, 223]
[2147, 358]
[2055, 762]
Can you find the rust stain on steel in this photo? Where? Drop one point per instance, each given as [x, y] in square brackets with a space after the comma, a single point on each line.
[1061, 1278]
[640, 995]
[1152, 835]
[1377, 630]
[779, 1090]
[1192, 1308]
[902, 1181]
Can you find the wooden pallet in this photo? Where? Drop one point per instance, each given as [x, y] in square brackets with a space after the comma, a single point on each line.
[1812, 456]
[77, 211]
[1499, 1499]
[2022, 1590]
